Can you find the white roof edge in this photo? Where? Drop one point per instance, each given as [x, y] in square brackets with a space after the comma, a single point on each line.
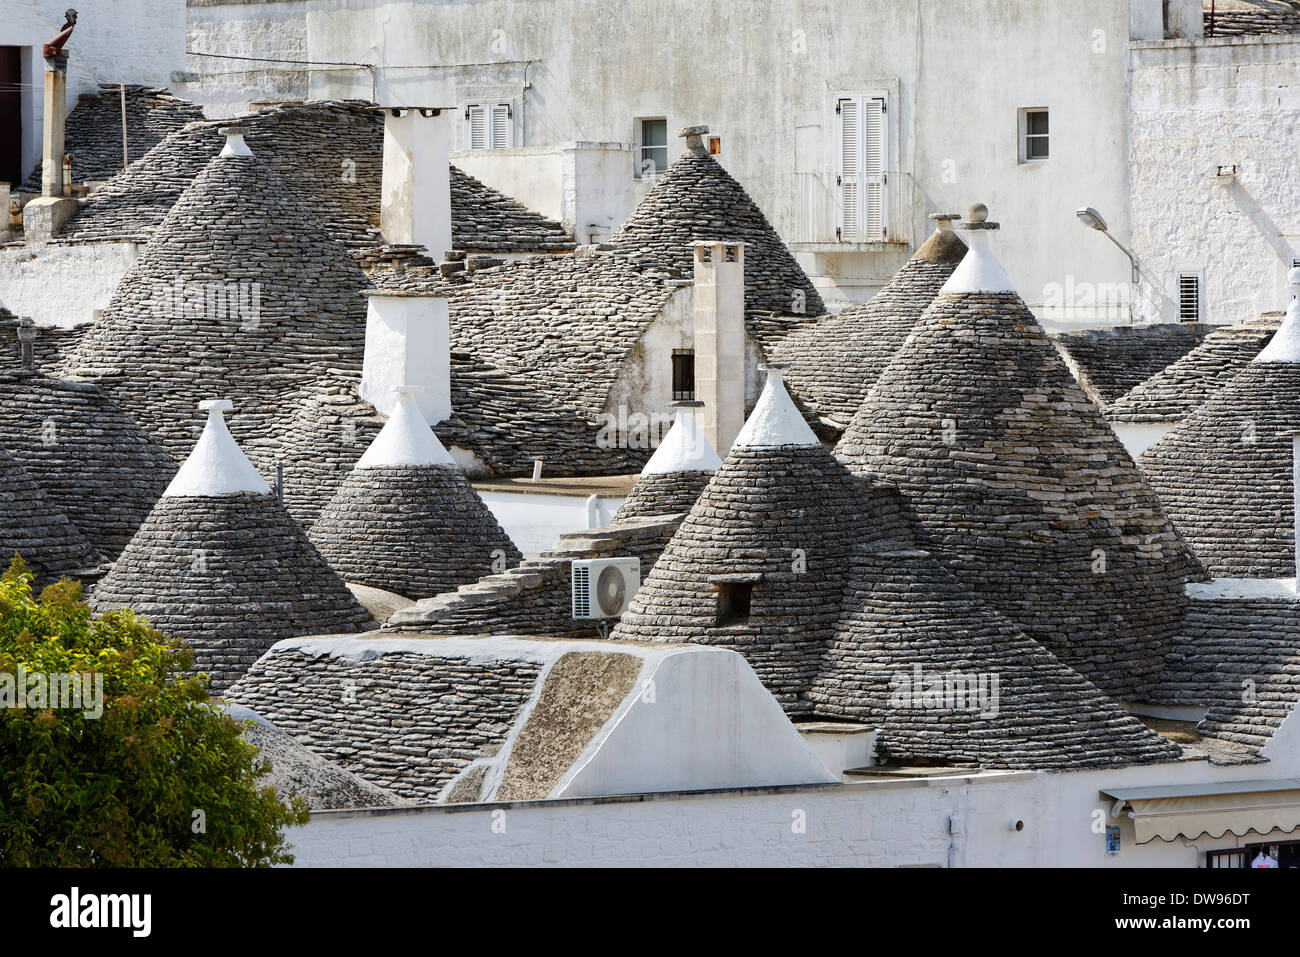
[979, 270]
[1285, 344]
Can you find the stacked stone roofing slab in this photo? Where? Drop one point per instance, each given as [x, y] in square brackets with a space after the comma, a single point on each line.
[944, 678]
[842, 609]
[329, 155]
[834, 362]
[241, 293]
[34, 527]
[1238, 657]
[1224, 473]
[485, 220]
[1170, 394]
[1241, 22]
[1016, 482]
[676, 474]
[297, 772]
[93, 134]
[91, 459]
[52, 343]
[695, 199]
[220, 564]
[1110, 362]
[406, 520]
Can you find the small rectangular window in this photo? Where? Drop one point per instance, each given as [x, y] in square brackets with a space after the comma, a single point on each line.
[1033, 135]
[652, 156]
[683, 375]
[1190, 302]
[733, 602]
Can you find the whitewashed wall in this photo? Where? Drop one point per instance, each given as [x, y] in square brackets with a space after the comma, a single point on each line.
[1197, 105]
[757, 74]
[115, 41]
[62, 285]
[886, 823]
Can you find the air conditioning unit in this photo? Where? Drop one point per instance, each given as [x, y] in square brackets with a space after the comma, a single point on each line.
[603, 587]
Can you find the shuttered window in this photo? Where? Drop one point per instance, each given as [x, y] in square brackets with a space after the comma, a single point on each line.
[1190, 305]
[863, 178]
[491, 126]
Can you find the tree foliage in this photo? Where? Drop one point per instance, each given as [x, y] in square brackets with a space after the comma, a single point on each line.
[161, 779]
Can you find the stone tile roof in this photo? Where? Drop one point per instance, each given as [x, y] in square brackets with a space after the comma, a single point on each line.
[1224, 473]
[407, 721]
[834, 362]
[906, 622]
[1250, 22]
[564, 325]
[485, 220]
[841, 606]
[1110, 362]
[297, 772]
[93, 134]
[1238, 658]
[91, 459]
[331, 154]
[1172, 393]
[1015, 480]
[172, 336]
[696, 199]
[33, 526]
[662, 493]
[52, 342]
[230, 575]
[417, 531]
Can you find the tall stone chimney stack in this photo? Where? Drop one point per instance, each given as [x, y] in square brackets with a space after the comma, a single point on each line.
[720, 340]
[415, 205]
[408, 343]
[43, 217]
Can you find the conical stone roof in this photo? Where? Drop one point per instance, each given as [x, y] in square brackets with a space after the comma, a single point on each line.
[407, 520]
[1172, 393]
[34, 527]
[676, 474]
[834, 362]
[695, 199]
[1014, 479]
[1224, 473]
[779, 519]
[945, 679]
[239, 292]
[220, 564]
[91, 459]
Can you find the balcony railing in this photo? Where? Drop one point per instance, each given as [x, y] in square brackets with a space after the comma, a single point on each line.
[819, 213]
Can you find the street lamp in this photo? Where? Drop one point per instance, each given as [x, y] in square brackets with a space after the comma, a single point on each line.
[1093, 220]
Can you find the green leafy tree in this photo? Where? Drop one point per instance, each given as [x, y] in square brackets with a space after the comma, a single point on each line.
[161, 778]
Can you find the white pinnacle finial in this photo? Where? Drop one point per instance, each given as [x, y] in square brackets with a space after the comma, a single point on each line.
[978, 270]
[216, 466]
[775, 420]
[405, 439]
[1285, 344]
[684, 449]
[235, 145]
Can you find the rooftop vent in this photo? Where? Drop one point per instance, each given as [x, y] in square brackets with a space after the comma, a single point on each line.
[235, 145]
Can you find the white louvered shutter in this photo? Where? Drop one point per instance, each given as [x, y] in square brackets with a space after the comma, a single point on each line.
[850, 176]
[502, 128]
[872, 221]
[478, 127]
[863, 176]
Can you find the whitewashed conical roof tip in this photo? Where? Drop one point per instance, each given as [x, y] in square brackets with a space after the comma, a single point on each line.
[217, 465]
[979, 270]
[1285, 344]
[406, 439]
[775, 421]
[684, 449]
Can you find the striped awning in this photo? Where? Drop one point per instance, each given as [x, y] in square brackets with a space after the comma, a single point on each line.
[1212, 809]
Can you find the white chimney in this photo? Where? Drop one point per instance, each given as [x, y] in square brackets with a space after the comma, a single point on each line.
[415, 205]
[720, 340]
[408, 343]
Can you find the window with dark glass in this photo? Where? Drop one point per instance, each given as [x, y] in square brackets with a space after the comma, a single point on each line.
[683, 375]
